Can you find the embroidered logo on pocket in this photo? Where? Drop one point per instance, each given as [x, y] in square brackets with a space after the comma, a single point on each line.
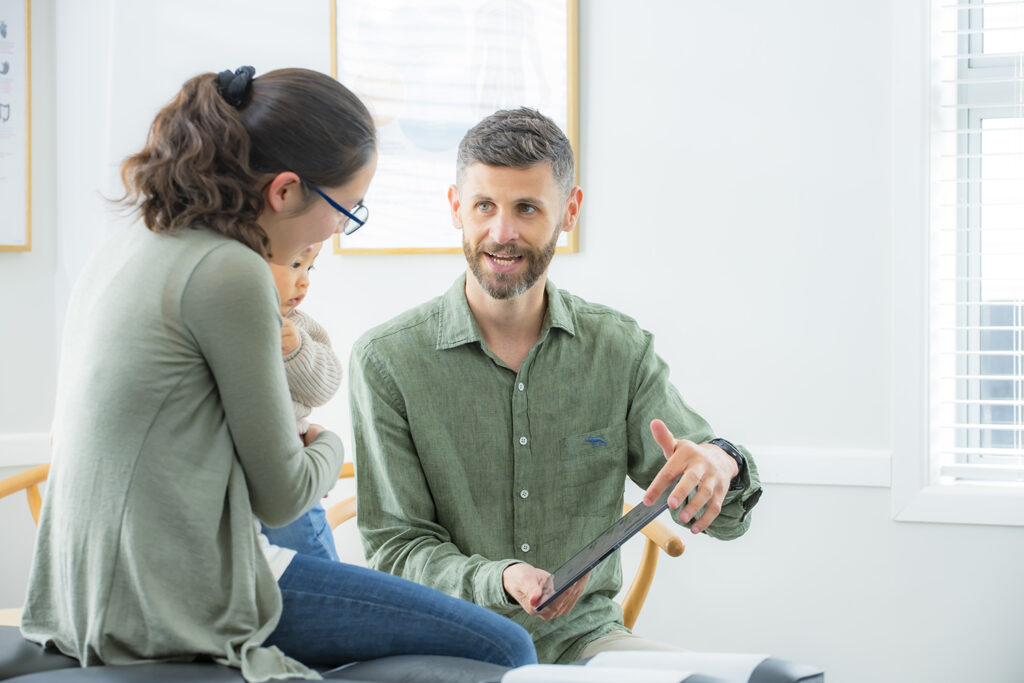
[596, 441]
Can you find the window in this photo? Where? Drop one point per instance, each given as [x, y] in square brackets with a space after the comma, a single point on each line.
[958, 239]
[977, 243]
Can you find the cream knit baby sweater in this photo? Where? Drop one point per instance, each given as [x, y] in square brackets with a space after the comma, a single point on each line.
[313, 371]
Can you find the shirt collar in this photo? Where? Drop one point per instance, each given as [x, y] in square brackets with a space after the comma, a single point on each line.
[560, 314]
[458, 326]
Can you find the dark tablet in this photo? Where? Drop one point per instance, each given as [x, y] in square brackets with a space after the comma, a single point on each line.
[601, 547]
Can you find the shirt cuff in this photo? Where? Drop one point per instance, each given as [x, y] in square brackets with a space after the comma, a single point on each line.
[490, 589]
[297, 349]
[334, 443]
[734, 518]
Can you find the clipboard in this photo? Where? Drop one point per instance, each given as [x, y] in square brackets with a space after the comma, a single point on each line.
[607, 541]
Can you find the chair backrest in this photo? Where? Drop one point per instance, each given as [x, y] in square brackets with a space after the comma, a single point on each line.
[27, 481]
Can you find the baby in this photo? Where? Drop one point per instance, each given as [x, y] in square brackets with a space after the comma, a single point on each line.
[314, 375]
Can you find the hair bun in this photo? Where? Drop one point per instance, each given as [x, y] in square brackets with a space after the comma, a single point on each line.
[234, 84]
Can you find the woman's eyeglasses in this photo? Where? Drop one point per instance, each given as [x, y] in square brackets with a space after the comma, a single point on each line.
[357, 217]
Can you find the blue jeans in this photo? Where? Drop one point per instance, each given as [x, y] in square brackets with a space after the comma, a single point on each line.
[334, 613]
[309, 534]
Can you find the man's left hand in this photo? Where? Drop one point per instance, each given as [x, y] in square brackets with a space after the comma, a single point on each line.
[706, 472]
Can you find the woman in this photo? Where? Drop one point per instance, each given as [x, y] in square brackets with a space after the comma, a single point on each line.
[173, 423]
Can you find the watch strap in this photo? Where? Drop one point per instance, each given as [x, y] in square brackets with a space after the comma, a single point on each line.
[741, 463]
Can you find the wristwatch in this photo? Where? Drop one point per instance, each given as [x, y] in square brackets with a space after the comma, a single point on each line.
[736, 484]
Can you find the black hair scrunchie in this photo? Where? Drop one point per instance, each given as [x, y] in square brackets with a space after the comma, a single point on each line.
[234, 84]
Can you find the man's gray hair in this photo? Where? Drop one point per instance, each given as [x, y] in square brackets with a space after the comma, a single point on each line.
[518, 138]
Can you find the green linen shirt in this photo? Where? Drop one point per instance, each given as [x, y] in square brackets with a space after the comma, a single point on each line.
[466, 466]
[173, 427]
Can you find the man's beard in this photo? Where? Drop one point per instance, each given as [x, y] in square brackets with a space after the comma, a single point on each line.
[509, 285]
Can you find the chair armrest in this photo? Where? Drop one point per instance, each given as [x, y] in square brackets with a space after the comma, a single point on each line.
[28, 480]
[658, 536]
[24, 480]
[341, 512]
[661, 535]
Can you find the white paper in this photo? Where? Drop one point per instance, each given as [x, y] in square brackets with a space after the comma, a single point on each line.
[734, 668]
[550, 673]
[14, 124]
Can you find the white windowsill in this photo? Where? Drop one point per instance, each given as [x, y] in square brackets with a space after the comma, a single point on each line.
[995, 504]
[823, 466]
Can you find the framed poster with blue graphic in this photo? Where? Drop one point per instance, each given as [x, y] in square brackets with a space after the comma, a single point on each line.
[15, 126]
[431, 69]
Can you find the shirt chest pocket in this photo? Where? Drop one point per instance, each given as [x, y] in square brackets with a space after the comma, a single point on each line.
[593, 469]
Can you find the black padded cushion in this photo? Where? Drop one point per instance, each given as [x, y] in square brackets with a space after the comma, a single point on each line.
[420, 669]
[398, 669]
[31, 663]
[19, 656]
[140, 673]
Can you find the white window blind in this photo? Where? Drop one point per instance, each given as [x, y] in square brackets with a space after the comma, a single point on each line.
[977, 243]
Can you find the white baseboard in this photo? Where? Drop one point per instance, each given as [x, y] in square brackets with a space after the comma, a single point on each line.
[28, 448]
[823, 466]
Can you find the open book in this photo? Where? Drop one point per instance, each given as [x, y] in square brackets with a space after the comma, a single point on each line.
[670, 667]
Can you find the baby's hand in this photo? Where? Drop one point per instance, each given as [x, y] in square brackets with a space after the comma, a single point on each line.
[289, 337]
[310, 435]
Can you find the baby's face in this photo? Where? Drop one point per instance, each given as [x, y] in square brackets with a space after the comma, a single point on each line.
[293, 280]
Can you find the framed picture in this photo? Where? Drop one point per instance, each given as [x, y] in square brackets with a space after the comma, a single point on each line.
[429, 70]
[15, 126]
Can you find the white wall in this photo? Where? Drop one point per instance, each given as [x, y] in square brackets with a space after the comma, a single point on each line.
[28, 370]
[737, 170]
[27, 339]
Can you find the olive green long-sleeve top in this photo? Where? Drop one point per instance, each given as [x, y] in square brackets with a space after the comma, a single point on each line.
[466, 466]
[173, 428]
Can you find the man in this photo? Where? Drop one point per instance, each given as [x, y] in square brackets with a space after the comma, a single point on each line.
[495, 425]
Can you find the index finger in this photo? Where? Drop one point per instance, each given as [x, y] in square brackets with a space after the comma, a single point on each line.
[666, 475]
[665, 478]
[663, 437]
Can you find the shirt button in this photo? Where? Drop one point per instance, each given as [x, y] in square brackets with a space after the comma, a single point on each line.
[521, 386]
[522, 441]
[525, 547]
[524, 493]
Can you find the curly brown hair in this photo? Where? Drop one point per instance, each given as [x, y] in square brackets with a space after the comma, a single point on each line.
[205, 162]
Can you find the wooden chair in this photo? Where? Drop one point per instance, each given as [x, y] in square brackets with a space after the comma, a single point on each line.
[658, 536]
[27, 481]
